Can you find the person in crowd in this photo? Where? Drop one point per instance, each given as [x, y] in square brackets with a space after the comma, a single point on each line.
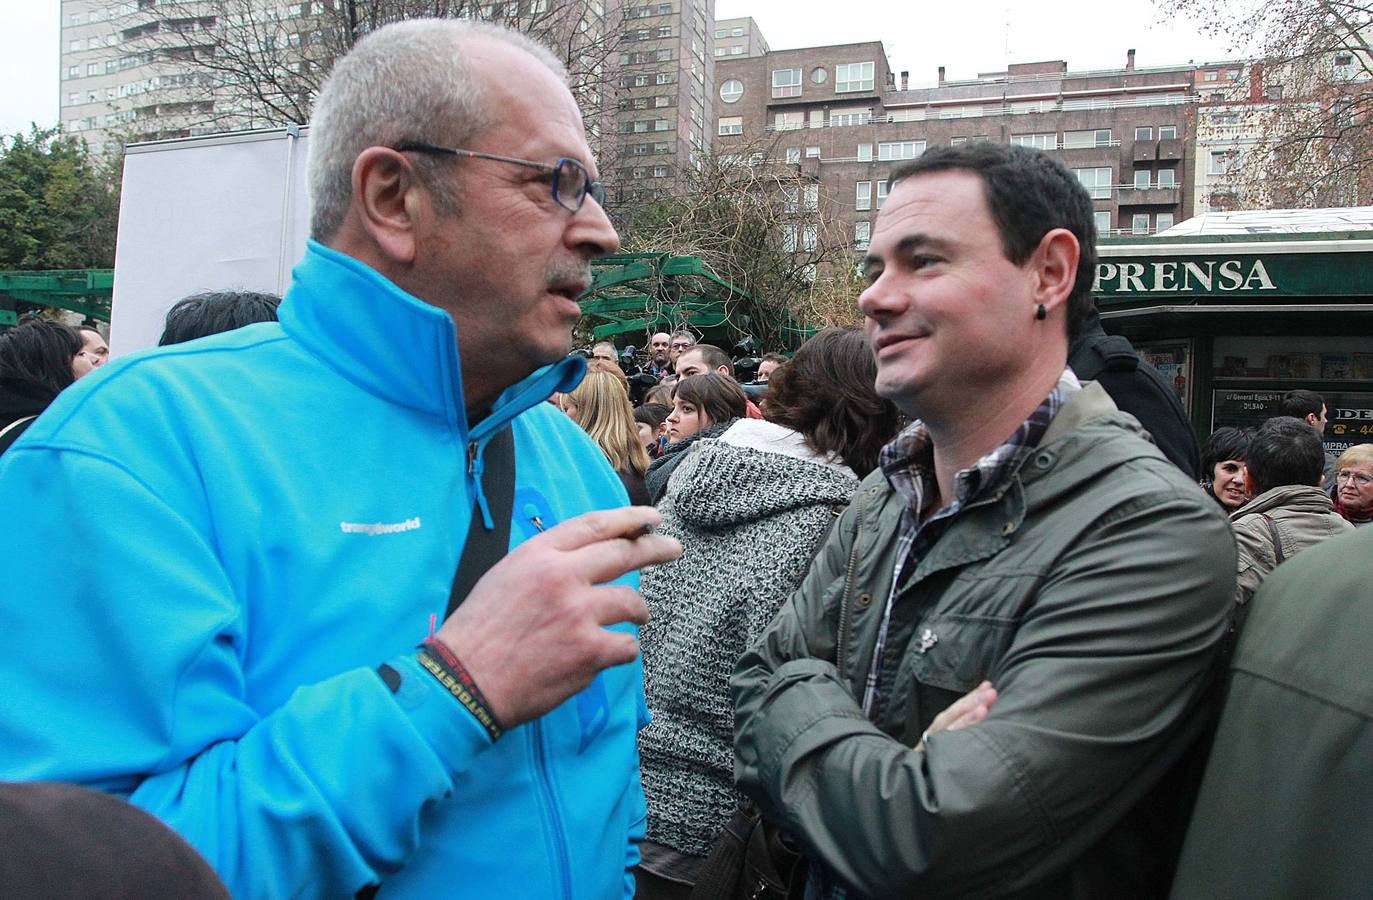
[659, 362]
[703, 406]
[750, 509]
[1222, 464]
[1020, 531]
[600, 404]
[39, 358]
[64, 842]
[650, 420]
[769, 364]
[214, 312]
[95, 352]
[680, 340]
[661, 393]
[240, 541]
[1283, 809]
[604, 350]
[1136, 387]
[1310, 407]
[1354, 485]
[703, 358]
[1289, 512]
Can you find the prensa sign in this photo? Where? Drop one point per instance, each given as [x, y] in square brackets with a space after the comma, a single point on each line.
[1208, 276]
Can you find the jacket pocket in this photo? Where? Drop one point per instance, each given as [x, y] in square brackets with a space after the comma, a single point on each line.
[947, 656]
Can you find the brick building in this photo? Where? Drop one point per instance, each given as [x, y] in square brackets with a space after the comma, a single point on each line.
[846, 118]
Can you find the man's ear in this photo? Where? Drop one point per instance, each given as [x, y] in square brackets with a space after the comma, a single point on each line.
[1055, 261]
[388, 198]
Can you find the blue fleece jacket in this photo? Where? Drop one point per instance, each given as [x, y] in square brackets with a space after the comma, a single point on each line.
[210, 549]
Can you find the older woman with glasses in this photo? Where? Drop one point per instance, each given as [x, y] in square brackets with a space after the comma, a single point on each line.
[1354, 484]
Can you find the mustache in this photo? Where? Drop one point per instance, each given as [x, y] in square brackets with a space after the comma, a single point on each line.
[566, 272]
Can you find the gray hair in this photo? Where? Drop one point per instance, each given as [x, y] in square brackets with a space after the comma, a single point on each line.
[407, 81]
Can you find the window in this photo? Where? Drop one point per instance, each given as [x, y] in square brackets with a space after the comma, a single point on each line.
[810, 235]
[1221, 161]
[1273, 92]
[1141, 178]
[863, 200]
[1099, 137]
[721, 32]
[664, 31]
[957, 141]
[1163, 221]
[812, 196]
[865, 152]
[1144, 133]
[1103, 222]
[842, 117]
[662, 171]
[788, 121]
[73, 98]
[1139, 223]
[737, 31]
[850, 77]
[881, 193]
[660, 78]
[1167, 178]
[732, 90]
[862, 233]
[92, 68]
[73, 71]
[900, 149]
[1167, 132]
[721, 51]
[819, 75]
[1039, 141]
[1232, 74]
[786, 82]
[74, 46]
[793, 155]
[788, 238]
[791, 199]
[1210, 75]
[731, 125]
[812, 152]
[1097, 181]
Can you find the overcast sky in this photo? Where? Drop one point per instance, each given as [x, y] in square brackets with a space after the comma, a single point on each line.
[966, 38]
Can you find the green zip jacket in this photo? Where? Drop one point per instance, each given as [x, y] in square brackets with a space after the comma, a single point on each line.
[1092, 589]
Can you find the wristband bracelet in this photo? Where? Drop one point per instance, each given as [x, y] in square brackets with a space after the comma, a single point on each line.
[448, 670]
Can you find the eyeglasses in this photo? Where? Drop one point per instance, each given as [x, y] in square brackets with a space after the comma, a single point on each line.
[571, 182]
[1362, 479]
[678, 345]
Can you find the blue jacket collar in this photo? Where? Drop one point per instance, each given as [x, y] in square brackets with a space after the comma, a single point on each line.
[397, 346]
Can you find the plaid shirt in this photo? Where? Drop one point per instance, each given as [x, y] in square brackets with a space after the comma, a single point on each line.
[908, 464]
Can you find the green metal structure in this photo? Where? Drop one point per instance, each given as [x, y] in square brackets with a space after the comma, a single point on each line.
[85, 291]
[638, 293]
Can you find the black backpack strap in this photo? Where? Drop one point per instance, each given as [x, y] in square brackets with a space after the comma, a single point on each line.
[484, 548]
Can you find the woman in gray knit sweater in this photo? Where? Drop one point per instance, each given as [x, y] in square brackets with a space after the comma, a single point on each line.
[750, 507]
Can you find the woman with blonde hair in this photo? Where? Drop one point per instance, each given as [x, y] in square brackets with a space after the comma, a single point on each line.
[600, 404]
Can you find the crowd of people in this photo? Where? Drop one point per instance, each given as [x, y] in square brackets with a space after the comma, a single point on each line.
[378, 590]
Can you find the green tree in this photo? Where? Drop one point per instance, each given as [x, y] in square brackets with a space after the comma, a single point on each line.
[59, 205]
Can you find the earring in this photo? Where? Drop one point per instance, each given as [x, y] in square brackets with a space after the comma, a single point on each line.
[1041, 314]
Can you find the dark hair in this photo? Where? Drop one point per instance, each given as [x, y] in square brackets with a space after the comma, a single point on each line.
[1301, 403]
[827, 393]
[40, 351]
[1285, 450]
[779, 358]
[718, 396]
[212, 312]
[652, 414]
[1029, 194]
[712, 356]
[1224, 443]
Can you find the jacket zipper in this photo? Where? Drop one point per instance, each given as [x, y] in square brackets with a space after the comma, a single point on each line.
[842, 634]
[555, 819]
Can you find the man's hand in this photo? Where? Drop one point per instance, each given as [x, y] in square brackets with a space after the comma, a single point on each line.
[966, 711]
[532, 631]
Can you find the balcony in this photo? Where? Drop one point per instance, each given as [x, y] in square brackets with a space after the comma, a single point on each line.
[1129, 195]
[1170, 149]
[1144, 151]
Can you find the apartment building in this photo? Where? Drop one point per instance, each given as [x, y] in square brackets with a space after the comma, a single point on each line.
[665, 76]
[739, 37]
[843, 116]
[128, 73]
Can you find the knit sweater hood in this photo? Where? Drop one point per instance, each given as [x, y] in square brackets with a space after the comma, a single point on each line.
[719, 485]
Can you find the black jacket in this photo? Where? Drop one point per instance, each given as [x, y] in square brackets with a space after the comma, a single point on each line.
[1138, 389]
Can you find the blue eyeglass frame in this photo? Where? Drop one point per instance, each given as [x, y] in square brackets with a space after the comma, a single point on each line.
[594, 188]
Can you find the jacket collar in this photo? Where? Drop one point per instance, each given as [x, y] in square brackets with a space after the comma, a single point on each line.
[395, 345]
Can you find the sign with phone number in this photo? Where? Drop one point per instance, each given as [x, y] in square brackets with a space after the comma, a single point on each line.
[1349, 414]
